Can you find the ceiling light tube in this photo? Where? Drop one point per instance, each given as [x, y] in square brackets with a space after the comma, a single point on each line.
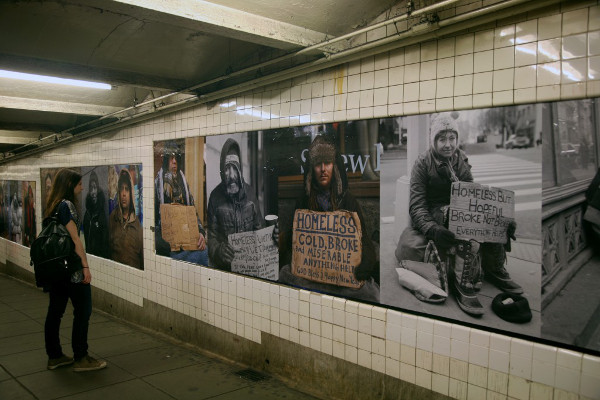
[52, 79]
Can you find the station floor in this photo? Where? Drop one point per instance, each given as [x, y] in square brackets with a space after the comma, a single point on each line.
[141, 364]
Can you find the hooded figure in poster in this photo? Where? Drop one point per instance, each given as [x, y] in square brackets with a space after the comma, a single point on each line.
[431, 179]
[171, 187]
[16, 218]
[95, 225]
[29, 217]
[326, 189]
[126, 236]
[232, 207]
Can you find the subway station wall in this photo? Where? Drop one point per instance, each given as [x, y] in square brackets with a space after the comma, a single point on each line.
[527, 67]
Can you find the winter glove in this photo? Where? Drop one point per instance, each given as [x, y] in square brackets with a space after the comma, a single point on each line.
[511, 229]
[362, 272]
[441, 236]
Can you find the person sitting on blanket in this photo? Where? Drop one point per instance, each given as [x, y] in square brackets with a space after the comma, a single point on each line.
[432, 176]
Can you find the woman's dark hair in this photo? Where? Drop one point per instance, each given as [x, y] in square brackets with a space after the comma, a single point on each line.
[63, 188]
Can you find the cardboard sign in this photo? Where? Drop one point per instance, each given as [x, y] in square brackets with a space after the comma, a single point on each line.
[179, 226]
[255, 254]
[326, 247]
[480, 212]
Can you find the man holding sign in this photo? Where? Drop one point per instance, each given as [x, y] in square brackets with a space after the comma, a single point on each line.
[232, 208]
[327, 247]
[431, 183]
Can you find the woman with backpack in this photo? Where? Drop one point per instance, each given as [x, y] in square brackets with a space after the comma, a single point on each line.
[61, 202]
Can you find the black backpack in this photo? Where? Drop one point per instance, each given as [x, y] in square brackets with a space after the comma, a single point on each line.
[53, 254]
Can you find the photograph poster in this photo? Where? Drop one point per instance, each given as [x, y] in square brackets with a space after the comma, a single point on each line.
[465, 229]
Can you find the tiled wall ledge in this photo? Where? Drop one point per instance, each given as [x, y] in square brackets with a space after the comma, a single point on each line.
[448, 359]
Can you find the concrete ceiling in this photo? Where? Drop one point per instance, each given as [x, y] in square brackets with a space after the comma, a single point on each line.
[160, 53]
[145, 49]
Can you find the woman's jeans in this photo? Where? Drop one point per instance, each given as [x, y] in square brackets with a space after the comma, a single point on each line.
[81, 298]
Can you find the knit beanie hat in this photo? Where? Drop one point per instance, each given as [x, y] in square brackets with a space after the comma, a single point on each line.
[322, 150]
[441, 123]
[512, 307]
[94, 178]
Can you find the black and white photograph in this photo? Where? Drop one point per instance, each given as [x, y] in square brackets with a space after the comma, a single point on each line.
[461, 217]
[327, 170]
[571, 224]
[235, 212]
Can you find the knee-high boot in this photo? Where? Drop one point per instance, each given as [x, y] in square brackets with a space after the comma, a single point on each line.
[466, 268]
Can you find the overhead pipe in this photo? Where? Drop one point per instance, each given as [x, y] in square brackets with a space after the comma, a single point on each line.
[412, 36]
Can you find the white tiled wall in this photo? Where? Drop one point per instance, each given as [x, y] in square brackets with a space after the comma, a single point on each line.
[543, 59]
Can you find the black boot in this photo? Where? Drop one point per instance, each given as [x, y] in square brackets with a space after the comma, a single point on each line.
[493, 260]
[466, 268]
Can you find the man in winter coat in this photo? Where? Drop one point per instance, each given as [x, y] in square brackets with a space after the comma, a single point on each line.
[326, 189]
[431, 179]
[126, 236]
[232, 208]
[95, 225]
[171, 187]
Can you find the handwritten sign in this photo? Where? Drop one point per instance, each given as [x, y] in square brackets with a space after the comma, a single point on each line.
[480, 212]
[179, 226]
[326, 247]
[255, 254]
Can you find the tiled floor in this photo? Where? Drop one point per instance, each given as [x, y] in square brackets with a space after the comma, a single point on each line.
[140, 365]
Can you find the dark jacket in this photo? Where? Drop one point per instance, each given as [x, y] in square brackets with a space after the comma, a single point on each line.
[430, 184]
[95, 226]
[126, 237]
[228, 215]
[346, 201]
[592, 195]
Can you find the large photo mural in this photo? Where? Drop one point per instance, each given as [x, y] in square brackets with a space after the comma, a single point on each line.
[17, 211]
[109, 210]
[464, 233]
[451, 215]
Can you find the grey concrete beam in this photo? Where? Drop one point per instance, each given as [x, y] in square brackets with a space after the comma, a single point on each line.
[21, 103]
[21, 137]
[225, 21]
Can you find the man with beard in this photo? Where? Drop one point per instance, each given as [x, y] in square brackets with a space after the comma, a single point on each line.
[95, 225]
[126, 236]
[172, 188]
[232, 208]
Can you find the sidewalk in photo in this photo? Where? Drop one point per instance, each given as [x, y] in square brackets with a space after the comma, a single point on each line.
[141, 364]
[523, 264]
[573, 316]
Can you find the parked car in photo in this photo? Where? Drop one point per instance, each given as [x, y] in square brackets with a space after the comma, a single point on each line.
[517, 142]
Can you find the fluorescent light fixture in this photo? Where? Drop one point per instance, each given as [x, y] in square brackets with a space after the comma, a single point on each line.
[52, 79]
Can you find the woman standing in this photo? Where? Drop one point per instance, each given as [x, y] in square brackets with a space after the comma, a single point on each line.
[66, 188]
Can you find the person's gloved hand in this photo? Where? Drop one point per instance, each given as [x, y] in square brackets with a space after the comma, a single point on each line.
[362, 273]
[511, 229]
[228, 253]
[442, 236]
